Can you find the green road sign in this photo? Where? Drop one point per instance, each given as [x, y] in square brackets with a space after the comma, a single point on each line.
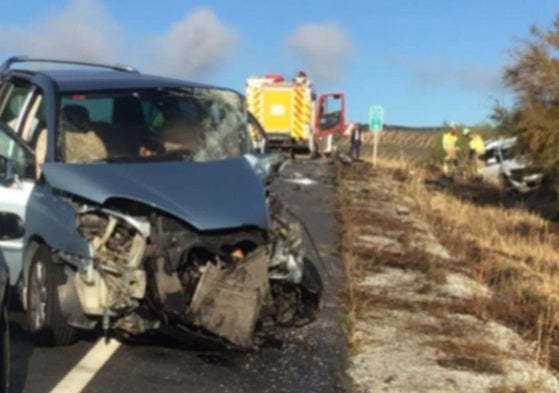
[376, 117]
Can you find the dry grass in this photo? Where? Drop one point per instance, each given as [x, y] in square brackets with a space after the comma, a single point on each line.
[530, 387]
[514, 254]
[348, 292]
[471, 355]
[510, 249]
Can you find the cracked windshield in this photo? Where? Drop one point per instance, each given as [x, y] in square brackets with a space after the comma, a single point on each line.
[197, 124]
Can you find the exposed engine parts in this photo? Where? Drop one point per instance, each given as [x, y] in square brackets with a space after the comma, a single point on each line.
[151, 270]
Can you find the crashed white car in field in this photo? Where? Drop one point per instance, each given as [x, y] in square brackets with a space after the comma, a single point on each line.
[506, 169]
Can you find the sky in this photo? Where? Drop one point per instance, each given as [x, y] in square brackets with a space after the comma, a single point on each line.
[424, 61]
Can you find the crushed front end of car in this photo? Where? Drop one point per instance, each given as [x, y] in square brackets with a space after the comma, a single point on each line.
[150, 270]
[169, 227]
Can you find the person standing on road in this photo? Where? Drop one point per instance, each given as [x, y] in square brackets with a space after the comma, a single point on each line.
[476, 151]
[450, 138]
[354, 133]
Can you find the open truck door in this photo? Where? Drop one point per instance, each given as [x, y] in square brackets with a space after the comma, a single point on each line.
[330, 117]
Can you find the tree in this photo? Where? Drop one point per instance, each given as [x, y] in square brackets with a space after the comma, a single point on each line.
[533, 77]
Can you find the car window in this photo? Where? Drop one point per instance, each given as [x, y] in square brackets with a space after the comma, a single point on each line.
[490, 153]
[34, 120]
[11, 105]
[100, 109]
[13, 148]
[507, 154]
[170, 124]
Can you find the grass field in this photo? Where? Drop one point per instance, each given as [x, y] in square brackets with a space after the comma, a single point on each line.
[499, 240]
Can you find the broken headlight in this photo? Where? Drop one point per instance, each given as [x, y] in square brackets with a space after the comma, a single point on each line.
[115, 279]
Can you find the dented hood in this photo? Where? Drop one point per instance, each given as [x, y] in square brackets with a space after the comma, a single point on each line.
[207, 195]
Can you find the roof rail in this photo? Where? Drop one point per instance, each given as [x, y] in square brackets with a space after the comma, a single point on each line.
[6, 65]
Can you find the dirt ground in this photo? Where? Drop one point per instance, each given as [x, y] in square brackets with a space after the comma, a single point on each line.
[415, 325]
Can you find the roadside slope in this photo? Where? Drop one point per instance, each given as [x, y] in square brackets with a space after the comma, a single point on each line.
[416, 319]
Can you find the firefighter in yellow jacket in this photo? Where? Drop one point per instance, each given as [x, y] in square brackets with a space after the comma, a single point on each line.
[450, 137]
[476, 151]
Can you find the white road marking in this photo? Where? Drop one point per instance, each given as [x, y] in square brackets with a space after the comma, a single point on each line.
[83, 372]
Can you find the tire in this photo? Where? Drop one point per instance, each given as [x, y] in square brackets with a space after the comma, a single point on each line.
[507, 188]
[4, 351]
[46, 323]
[503, 182]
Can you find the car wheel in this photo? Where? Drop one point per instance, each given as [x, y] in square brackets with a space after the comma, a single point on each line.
[506, 186]
[4, 351]
[44, 317]
[503, 182]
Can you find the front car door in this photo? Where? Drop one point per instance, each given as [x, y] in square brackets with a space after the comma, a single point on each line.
[20, 112]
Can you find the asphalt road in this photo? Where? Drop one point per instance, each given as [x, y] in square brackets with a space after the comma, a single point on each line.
[309, 359]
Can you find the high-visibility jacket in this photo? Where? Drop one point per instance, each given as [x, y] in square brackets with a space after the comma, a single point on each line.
[449, 141]
[476, 144]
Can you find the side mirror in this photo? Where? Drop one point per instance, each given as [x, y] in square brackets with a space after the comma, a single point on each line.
[7, 171]
[11, 226]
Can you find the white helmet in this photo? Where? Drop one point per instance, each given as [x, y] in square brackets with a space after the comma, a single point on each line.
[466, 131]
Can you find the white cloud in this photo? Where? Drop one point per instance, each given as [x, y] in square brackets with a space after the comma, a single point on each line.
[325, 49]
[83, 30]
[194, 46]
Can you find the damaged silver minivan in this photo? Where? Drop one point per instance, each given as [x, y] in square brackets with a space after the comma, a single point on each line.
[506, 168]
[143, 208]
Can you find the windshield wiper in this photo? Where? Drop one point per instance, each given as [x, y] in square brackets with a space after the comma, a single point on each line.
[177, 154]
[116, 158]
